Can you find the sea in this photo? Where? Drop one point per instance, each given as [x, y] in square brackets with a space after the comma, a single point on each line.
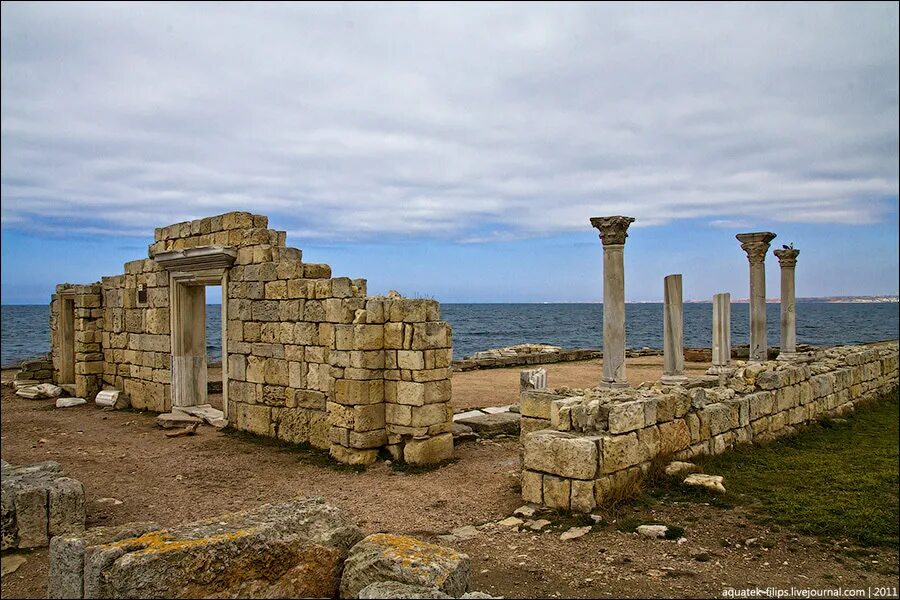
[25, 328]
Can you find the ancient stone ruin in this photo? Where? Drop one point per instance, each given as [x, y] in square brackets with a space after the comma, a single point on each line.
[38, 502]
[580, 446]
[306, 357]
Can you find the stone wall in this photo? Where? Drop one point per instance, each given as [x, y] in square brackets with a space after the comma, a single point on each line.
[87, 336]
[307, 357]
[579, 445]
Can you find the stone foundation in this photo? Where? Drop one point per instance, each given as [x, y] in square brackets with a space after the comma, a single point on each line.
[38, 502]
[580, 445]
[38, 369]
[307, 357]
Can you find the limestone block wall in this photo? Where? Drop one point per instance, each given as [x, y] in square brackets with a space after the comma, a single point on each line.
[307, 357]
[84, 332]
[136, 341]
[580, 446]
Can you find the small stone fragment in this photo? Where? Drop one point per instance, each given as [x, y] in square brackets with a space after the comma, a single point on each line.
[510, 522]
[677, 467]
[525, 511]
[69, 402]
[537, 525]
[575, 532]
[710, 482]
[652, 531]
[10, 563]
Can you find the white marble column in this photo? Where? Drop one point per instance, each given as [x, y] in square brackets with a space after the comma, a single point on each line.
[721, 333]
[787, 258]
[673, 331]
[756, 245]
[613, 231]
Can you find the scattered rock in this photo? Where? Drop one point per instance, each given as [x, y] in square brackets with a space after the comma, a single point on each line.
[461, 533]
[488, 425]
[10, 563]
[189, 430]
[575, 532]
[653, 531]
[462, 432]
[510, 522]
[69, 402]
[206, 412]
[710, 482]
[655, 573]
[384, 557]
[537, 525]
[676, 468]
[525, 511]
[113, 501]
[701, 555]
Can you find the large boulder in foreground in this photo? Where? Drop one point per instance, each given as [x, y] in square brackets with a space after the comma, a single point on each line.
[291, 550]
[382, 557]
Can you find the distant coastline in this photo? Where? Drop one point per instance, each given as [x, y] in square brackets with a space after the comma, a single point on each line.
[825, 299]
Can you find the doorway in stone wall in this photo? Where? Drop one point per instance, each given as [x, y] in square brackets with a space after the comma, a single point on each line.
[67, 339]
[191, 271]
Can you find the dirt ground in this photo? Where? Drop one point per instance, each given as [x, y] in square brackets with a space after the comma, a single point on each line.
[122, 455]
[497, 387]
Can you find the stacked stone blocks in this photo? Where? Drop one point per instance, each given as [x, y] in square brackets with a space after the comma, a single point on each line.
[310, 357]
[577, 449]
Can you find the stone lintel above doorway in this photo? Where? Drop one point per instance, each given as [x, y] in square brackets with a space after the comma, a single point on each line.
[204, 260]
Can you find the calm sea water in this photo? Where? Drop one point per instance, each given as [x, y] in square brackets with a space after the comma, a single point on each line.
[25, 329]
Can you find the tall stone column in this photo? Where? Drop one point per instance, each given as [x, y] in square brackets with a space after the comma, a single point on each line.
[756, 245]
[673, 331]
[787, 258]
[721, 334]
[613, 231]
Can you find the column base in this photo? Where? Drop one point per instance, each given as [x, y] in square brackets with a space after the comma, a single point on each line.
[613, 384]
[673, 379]
[785, 356]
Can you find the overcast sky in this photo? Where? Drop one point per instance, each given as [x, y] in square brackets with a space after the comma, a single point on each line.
[457, 150]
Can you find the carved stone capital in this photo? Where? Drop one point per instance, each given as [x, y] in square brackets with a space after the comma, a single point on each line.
[613, 230]
[787, 257]
[756, 245]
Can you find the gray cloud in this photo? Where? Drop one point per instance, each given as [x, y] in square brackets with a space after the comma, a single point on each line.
[355, 121]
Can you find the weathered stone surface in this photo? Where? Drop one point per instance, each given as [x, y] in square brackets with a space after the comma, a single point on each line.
[66, 506]
[652, 531]
[69, 402]
[575, 533]
[294, 549]
[488, 425]
[383, 557]
[67, 552]
[626, 416]
[37, 502]
[532, 379]
[561, 453]
[711, 482]
[429, 451]
[680, 468]
[174, 420]
[394, 589]
[112, 399]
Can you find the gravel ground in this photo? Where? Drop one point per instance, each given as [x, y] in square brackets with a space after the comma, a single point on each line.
[122, 455]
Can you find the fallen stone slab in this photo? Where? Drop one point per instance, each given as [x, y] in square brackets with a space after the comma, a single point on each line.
[495, 410]
[21, 383]
[289, 550]
[488, 425]
[38, 502]
[461, 533]
[213, 416]
[69, 402]
[713, 483]
[537, 524]
[30, 393]
[176, 420]
[382, 557]
[467, 414]
[462, 432]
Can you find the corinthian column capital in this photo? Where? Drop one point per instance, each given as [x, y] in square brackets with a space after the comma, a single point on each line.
[613, 230]
[756, 245]
[787, 257]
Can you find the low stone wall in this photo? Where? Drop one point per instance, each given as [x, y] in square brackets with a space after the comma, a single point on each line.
[38, 369]
[38, 502]
[539, 358]
[580, 446]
